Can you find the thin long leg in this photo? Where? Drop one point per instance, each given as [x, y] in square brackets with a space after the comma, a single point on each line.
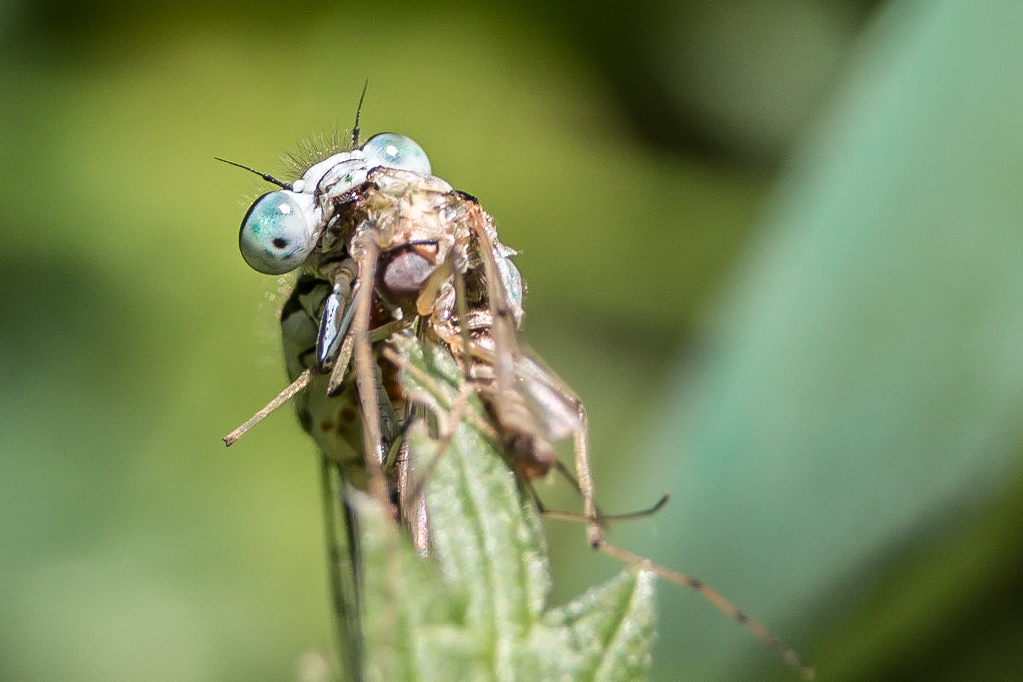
[367, 381]
[411, 503]
[449, 416]
[726, 607]
[462, 307]
[365, 371]
[458, 408]
[434, 395]
[603, 518]
[582, 470]
[503, 328]
[592, 518]
[284, 396]
[411, 508]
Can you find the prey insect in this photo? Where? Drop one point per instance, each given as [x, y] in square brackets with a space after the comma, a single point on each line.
[387, 250]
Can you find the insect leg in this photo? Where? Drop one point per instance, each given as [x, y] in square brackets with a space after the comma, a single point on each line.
[726, 607]
[411, 508]
[366, 370]
[582, 471]
[462, 307]
[284, 396]
[459, 405]
[448, 411]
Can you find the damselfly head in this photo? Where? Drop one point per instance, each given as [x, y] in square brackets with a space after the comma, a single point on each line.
[282, 228]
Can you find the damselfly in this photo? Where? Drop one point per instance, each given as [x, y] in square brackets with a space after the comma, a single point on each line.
[387, 250]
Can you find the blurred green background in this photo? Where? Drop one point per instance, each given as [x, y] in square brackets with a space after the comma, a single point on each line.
[776, 247]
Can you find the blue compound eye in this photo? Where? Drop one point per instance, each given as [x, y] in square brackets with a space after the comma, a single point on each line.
[396, 151]
[275, 238]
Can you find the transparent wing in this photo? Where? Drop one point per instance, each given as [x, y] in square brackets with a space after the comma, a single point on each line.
[519, 378]
[553, 405]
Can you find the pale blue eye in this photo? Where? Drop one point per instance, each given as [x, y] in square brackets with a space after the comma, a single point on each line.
[275, 238]
[396, 151]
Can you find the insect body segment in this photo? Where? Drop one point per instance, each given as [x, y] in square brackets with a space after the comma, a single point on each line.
[282, 227]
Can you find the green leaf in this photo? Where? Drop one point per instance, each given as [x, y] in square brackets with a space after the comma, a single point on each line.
[475, 609]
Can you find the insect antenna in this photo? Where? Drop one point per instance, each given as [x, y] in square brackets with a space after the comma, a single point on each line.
[358, 113]
[265, 176]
